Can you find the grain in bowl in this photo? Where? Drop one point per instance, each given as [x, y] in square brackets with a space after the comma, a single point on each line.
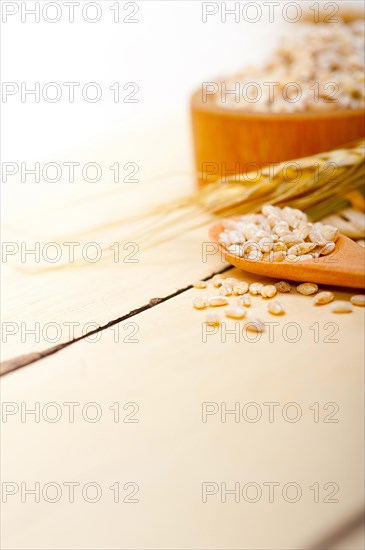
[277, 235]
[316, 68]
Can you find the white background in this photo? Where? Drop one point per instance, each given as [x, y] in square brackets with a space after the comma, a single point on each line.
[168, 53]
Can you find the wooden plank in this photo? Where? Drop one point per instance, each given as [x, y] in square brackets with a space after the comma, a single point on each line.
[170, 452]
[69, 303]
[63, 304]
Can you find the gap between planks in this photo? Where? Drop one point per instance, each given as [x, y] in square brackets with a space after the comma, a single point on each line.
[339, 535]
[23, 360]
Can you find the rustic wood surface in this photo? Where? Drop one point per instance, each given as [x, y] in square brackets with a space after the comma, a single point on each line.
[157, 358]
[169, 371]
[76, 300]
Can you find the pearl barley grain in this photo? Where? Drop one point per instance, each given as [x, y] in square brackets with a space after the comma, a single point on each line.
[275, 308]
[301, 249]
[235, 312]
[218, 280]
[277, 256]
[279, 247]
[283, 287]
[226, 290]
[253, 325]
[213, 320]
[199, 303]
[244, 301]
[340, 306]
[269, 291]
[231, 281]
[328, 248]
[200, 284]
[323, 298]
[217, 301]
[307, 289]
[358, 300]
[240, 288]
[255, 288]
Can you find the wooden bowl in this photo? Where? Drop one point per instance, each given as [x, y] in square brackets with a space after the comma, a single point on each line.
[229, 141]
[330, 12]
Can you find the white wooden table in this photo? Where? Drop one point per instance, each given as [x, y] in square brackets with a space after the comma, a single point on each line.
[150, 378]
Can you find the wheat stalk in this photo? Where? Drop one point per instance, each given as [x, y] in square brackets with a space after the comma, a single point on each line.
[328, 183]
[325, 182]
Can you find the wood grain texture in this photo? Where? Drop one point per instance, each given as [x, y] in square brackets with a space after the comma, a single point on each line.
[228, 141]
[75, 301]
[169, 372]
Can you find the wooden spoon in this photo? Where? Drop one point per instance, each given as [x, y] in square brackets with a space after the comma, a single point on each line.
[345, 266]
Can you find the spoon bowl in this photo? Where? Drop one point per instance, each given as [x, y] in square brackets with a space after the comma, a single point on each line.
[345, 266]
